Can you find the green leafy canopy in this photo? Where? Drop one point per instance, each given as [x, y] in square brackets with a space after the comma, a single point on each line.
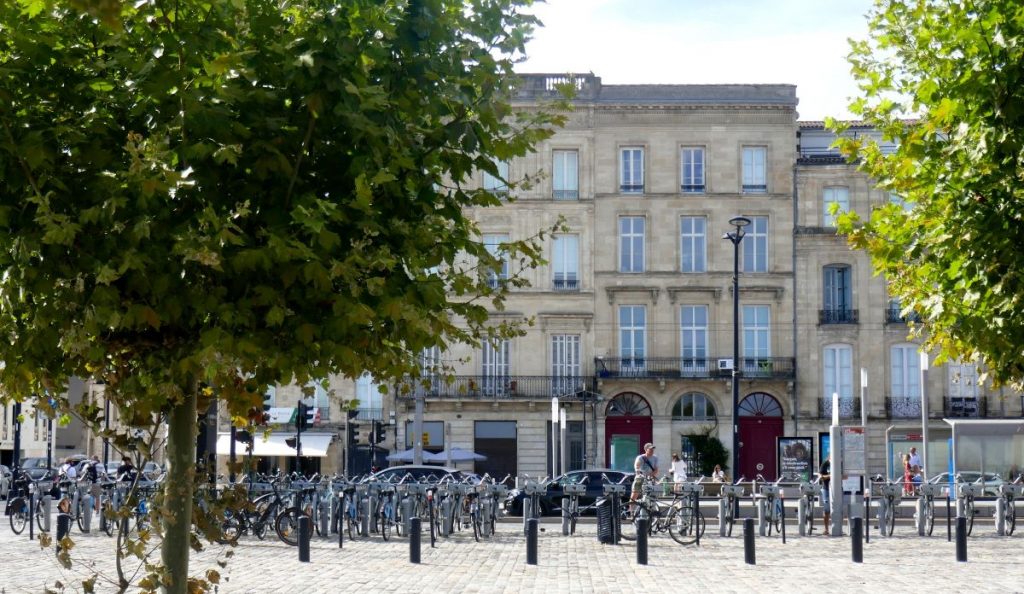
[956, 68]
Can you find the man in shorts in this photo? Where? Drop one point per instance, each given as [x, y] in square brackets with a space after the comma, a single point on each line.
[646, 468]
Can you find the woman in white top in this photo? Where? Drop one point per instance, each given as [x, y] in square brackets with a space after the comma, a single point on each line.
[678, 468]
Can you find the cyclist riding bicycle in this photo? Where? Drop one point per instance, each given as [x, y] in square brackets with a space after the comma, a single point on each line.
[126, 472]
[646, 468]
[91, 477]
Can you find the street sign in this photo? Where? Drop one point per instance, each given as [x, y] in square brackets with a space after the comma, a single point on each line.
[426, 438]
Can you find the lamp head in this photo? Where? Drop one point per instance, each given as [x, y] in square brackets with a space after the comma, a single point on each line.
[739, 221]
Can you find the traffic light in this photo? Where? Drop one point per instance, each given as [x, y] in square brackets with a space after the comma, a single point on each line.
[360, 433]
[301, 416]
[379, 433]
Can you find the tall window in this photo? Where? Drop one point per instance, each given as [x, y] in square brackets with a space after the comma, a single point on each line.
[565, 364]
[631, 170]
[895, 198]
[494, 366]
[905, 371]
[755, 159]
[693, 326]
[691, 165]
[370, 399]
[693, 239]
[838, 297]
[963, 380]
[566, 262]
[839, 196]
[756, 337]
[493, 244]
[632, 335]
[319, 400]
[565, 183]
[498, 185]
[430, 368]
[838, 362]
[631, 244]
[755, 245]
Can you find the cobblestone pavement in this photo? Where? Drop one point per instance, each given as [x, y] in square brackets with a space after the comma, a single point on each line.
[567, 564]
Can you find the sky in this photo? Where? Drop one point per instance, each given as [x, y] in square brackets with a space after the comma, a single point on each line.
[801, 42]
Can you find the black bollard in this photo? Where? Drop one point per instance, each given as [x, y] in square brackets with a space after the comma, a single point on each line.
[531, 541]
[414, 539]
[867, 516]
[949, 521]
[304, 530]
[32, 516]
[748, 541]
[63, 527]
[616, 520]
[856, 527]
[961, 539]
[641, 540]
[782, 508]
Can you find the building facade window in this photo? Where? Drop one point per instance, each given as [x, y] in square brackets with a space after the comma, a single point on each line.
[755, 165]
[837, 360]
[565, 262]
[693, 339]
[757, 350]
[755, 245]
[693, 239]
[565, 364]
[494, 366]
[493, 243]
[371, 401]
[900, 201]
[497, 185]
[693, 406]
[962, 380]
[837, 197]
[632, 336]
[631, 244]
[691, 166]
[905, 371]
[631, 170]
[565, 183]
[837, 300]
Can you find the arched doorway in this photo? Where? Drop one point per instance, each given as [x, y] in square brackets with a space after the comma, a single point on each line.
[760, 425]
[627, 427]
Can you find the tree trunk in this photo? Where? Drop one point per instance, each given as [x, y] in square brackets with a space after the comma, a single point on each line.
[178, 486]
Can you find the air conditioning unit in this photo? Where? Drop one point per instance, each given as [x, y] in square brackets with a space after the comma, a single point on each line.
[724, 364]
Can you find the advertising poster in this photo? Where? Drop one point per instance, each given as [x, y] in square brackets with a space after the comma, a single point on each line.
[796, 458]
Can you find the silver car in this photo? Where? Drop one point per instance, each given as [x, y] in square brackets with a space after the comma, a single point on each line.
[5, 481]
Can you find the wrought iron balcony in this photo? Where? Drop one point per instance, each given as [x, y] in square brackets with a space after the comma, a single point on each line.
[755, 188]
[900, 407]
[565, 194]
[692, 188]
[965, 408]
[368, 414]
[566, 284]
[893, 316]
[700, 368]
[837, 316]
[848, 408]
[631, 188]
[498, 387]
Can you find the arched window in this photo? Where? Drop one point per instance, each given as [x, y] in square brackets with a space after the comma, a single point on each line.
[628, 404]
[760, 404]
[693, 407]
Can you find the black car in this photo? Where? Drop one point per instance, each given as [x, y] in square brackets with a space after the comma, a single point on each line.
[36, 469]
[551, 503]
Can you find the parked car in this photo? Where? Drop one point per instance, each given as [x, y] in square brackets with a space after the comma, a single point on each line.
[551, 503]
[5, 481]
[418, 472]
[992, 480]
[37, 469]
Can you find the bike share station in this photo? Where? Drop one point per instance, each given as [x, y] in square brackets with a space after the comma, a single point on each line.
[992, 450]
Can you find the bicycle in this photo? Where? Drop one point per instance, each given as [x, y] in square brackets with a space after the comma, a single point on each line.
[928, 492]
[968, 492]
[891, 492]
[732, 494]
[681, 517]
[807, 492]
[773, 505]
[1009, 493]
[573, 492]
[19, 506]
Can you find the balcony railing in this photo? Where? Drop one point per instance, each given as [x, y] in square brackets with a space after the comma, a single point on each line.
[899, 407]
[631, 188]
[691, 188]
[755, 188]
[566, 284]
[965, 408]
[498, 387]
[837, 316]
[700, 368]
[848, 408]
[893, 316]
[369, 414]
[565, 194]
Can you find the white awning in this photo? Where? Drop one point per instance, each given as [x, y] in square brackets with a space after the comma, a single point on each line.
[314, 445]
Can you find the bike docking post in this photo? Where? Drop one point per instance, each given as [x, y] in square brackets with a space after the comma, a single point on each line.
[87, 504]
[856, 528]
[1000, 516]
[407, 506]
[883, 505]
[736, 492]
[565, 516]
[531, 541]
[47, 508]
[641, 540]
[949, 520]
[615, 492]
[32, 515]
[748, 542]
[782, 509]
[961, 539]
[867, 514]
[762, 520]
[325, 516]
[341, 520]
[305, 528]
[414, 539]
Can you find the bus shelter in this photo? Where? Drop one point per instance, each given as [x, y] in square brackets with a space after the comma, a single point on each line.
[989, 451]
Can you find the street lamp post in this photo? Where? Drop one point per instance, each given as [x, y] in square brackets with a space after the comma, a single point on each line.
[736, 237]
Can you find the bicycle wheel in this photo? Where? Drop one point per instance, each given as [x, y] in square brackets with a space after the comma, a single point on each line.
[107, 518]
[1011, 518]
[627, 522]
[80, 515]
[808, 516]
[230, 530]
[474, 518]
[350, 519]
[19, 515]
[729, 519]
[40, 516]
[777, 517]
[287, 526]
[969, 512]
[929, 516]
[681, 526]
[890, 518]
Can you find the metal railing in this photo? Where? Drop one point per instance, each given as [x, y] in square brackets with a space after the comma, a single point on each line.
[487, 387]
[565, 194]
[706, 368]
[691, 188]
[848, 408]
[965, 408]
[566, 284]
[755, 188]
[893, 316]
[900, 407]
[369, 414]
[837, 316]
[631, 188]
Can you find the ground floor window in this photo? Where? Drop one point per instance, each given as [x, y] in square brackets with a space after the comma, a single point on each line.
[497, 441]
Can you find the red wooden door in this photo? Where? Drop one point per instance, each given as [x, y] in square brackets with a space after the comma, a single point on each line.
[757, 446]
[639, 426]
